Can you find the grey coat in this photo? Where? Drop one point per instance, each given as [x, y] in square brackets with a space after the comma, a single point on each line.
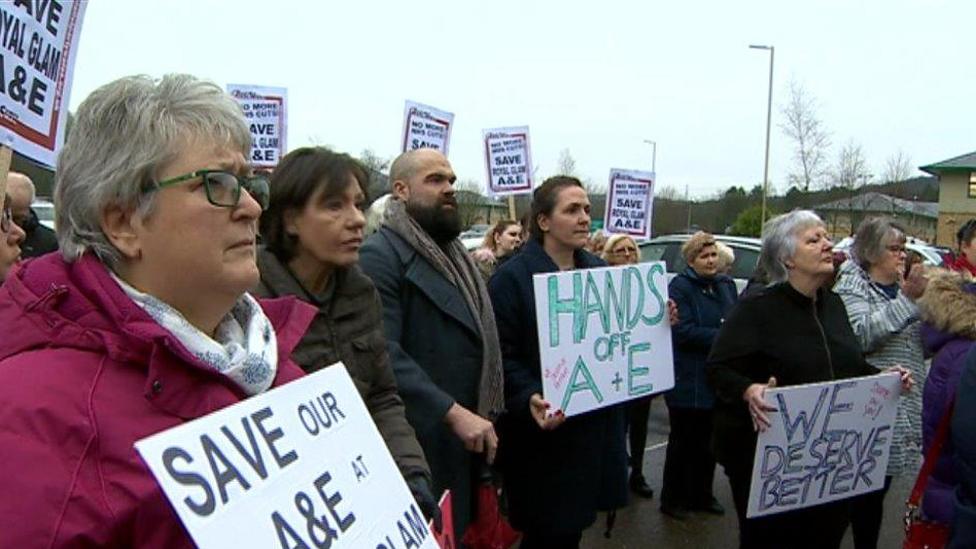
[348, 328]
[889, 333]
[436, 352]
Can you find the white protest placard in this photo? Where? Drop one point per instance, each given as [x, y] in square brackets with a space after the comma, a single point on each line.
[266, 111]
[630, 203]
[508, 160]
[38, 45]
[828, 441]
[604, 335]
[425, 127]
[301, 465]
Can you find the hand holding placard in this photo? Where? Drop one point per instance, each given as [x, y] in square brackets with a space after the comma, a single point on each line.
[540, 413]
[755, 397]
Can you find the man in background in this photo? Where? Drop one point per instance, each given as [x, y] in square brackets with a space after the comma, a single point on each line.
[40, 239]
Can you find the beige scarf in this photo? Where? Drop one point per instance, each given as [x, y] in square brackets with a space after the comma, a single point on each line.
[459, 269]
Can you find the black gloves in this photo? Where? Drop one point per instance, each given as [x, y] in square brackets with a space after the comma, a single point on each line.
[419, 486]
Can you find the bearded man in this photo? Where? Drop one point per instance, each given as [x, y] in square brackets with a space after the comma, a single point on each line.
[439, 325]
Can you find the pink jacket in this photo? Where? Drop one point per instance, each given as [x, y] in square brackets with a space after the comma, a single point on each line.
[84, 373]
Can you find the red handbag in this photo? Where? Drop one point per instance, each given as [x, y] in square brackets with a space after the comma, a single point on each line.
[490, 530]
[921, 533]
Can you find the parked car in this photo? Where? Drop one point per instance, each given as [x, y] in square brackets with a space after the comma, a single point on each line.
[930, 255]
[474, 236]
[667, 248]
[45, 212]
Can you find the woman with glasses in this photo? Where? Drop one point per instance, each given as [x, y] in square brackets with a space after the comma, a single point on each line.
[142, 322]
[621, 249]
[704, 297]
[312, 232]
[881, 304]
[11, 236]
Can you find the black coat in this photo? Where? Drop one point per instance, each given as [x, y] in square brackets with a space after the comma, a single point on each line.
[436, 352]
[38, 239]
[556, 480]
[779, 332]
[964, 442]
[349, 328]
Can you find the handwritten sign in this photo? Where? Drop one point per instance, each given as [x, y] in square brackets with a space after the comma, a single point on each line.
[425, 127]
[828, 441]
[508, 160]
[301, 465]
[38, 45]
[604, 335]
[266, 111]
[629, 203]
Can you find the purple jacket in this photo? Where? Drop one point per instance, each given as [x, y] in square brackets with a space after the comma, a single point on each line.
[948, 309]
[84, 373]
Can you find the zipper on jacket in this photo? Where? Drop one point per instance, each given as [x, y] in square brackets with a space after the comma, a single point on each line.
[823, 334]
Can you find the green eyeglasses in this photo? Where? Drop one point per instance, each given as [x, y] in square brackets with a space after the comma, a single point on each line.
[224, 188]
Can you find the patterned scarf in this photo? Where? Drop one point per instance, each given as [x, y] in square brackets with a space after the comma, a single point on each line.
[245, 349]
[460, 270]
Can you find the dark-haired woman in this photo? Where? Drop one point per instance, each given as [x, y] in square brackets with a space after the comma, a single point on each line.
[312, 232]
[558, 472]
[965, 262]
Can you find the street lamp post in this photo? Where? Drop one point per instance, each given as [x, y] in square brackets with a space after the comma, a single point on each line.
[653, 155]
[769, 113]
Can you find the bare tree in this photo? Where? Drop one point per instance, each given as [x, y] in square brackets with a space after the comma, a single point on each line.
[851, 169]
[373, 161]
[810, 140]
[472, 204]
[897, 168]
[565, 165]
[667, 192]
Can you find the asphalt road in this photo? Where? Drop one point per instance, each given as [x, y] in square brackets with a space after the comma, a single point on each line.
[641, 524]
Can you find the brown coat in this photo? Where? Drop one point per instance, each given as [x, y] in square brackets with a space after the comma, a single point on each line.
[349, 328]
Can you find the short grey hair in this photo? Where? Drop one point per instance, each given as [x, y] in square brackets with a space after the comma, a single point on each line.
[779, 241]
[873, 236]
[123, 135]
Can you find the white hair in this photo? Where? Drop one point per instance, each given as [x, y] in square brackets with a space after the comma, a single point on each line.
[779, 241]
[124, 133]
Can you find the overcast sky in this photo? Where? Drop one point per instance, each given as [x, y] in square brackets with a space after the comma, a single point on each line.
[594, 77]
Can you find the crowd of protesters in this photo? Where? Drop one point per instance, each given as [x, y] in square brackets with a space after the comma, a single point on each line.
[155, 310]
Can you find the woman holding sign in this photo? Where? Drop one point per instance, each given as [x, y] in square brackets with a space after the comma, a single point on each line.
[558, 473]
[792, 332]
[312, 232]
[141, 323]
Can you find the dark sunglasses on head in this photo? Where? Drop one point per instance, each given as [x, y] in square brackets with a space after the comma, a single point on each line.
[224, 188]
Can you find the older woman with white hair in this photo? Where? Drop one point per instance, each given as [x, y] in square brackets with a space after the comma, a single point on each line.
[795, 331]
[880, 302]
[142, 322]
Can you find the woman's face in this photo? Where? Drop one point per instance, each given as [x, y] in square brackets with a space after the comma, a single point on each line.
[891, 264]
[569, 224]
[813, 256]
[330, 229]
[705, 264]
[968, 249]
[10, 240]
[623, 252]
[508, 240]
[187, 248]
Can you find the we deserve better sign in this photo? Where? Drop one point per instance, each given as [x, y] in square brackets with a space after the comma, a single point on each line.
[301, 465]
[828, 441]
